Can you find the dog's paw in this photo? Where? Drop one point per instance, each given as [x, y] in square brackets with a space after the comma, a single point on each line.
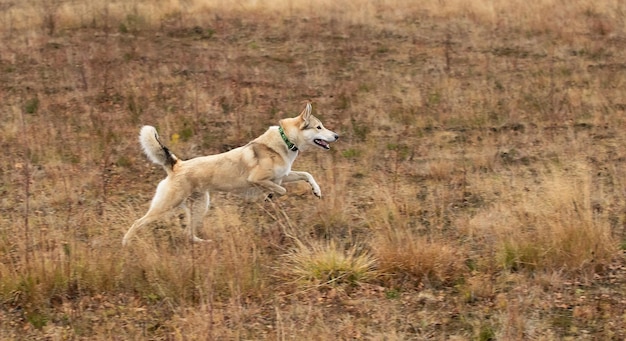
[199, 240]
[280, 190]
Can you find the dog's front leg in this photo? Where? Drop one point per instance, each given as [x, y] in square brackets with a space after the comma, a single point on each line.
[304, 176]
[270, 185]
[262, 179]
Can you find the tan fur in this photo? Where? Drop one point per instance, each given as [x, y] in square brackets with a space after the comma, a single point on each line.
[262, 166]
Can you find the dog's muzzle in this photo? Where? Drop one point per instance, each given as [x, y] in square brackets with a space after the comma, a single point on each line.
[325, 144]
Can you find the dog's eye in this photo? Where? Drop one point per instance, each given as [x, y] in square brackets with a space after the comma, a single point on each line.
[319, 127]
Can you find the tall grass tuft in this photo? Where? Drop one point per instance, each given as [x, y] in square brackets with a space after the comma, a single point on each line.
[408, 257]
[324, 263]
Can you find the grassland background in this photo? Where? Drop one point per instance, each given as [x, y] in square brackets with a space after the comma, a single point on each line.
[476, 192]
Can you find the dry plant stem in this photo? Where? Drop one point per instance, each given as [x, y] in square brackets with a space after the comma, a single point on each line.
[281, 217]
[194, 273]
[104, 180]
[27, 179]
[397, 161]
[447, 52]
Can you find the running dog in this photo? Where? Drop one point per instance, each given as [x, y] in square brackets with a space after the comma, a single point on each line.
[260, 166]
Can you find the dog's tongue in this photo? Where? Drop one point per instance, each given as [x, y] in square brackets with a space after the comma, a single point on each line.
[322, 143]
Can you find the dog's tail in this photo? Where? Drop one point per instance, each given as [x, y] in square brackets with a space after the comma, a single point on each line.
[155, 150]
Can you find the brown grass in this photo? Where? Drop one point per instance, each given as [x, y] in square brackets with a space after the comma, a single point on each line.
[476, 191]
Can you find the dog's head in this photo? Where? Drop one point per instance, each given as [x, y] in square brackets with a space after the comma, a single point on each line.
[306, 130]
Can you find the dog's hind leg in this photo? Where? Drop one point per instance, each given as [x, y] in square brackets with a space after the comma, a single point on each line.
[138, 224]
[166, 198]
[196, 209]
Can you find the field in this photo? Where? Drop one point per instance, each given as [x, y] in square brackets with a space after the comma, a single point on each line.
[475, 193]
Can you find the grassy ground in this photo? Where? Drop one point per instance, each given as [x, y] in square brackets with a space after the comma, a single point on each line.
[476, 192]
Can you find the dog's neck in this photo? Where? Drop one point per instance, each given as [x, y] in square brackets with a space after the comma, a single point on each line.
[289, 144]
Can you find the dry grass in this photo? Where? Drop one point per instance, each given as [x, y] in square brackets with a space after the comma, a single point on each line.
[326, 264]
[476, 192]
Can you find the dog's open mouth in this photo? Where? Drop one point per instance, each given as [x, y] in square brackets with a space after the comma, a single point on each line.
[322, 143]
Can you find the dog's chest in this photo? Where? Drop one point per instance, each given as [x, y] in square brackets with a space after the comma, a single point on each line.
[285, 169]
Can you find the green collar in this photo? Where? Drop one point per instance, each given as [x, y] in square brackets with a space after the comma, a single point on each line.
[290, 145]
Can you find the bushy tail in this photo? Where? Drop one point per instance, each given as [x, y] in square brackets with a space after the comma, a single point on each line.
[155, 150]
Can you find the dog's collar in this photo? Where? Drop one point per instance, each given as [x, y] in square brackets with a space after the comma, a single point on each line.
[290, 145]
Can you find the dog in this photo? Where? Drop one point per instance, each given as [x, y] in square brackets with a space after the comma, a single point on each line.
[261, 166]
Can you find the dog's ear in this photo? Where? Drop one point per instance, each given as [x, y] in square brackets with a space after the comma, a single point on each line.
[305, 115]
